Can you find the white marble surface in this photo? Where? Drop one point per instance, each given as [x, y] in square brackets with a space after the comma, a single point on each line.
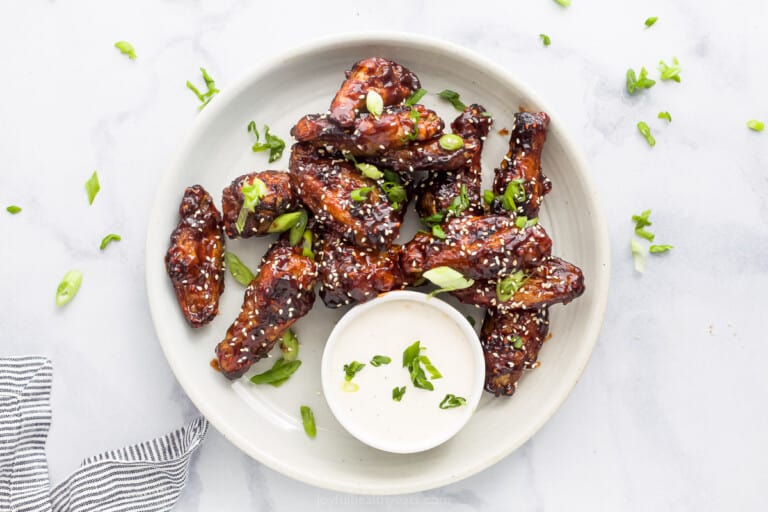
[671, 412]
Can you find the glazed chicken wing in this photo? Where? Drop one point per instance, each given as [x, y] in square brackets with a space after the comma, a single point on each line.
[350, 275]
[438, 190]
[395, 128]
[393, 82]
[194, 260]
[511, 342]
[523, 163]
[477, 247]
[281, 293]
[278, 199]
[327, 188]
[554, 281]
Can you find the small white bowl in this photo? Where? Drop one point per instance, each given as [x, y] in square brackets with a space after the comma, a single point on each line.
[365, 407]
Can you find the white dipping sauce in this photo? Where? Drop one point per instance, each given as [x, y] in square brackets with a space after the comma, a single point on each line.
[387, 328]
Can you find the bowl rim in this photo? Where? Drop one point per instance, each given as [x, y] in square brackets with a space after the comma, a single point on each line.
[470, 336]
[599, 284]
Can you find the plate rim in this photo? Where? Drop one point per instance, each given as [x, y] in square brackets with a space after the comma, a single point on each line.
[600, 281]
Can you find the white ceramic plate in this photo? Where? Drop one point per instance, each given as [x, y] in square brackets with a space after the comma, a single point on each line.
[264, 421]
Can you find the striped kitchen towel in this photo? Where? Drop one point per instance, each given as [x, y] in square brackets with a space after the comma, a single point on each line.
[145, 477]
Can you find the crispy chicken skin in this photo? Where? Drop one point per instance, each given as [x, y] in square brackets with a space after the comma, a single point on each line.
[437, 191]
[281, 293]
[278, 200]
[393, 82]
[194, 260]
[368, 136]
[554, 281]
[523, 162]
[504, 363]
[325, 186]
[479, 247]
[350, 275]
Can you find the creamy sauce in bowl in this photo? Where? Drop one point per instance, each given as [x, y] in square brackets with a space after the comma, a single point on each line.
[387, 326]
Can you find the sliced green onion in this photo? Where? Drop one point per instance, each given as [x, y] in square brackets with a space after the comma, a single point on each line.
[412, 361]
[295, 221]
[351, 369]
[642, 220]
[377, 361]
[109, 239]
[437, 232]
[638, 255]
[272, 142]
[655, 249]
[238, 269]
[454, 98]
[411, 353]
[514, 195]
[415, 117]
[280, 371]
[349, 387]
[450, 401]
[207, 96]
[564, 3]
[435, 218]
[374, 103]
[460, 202]
[670, 72]
[415, 97]
[306, 245]
[447, 279]
[650, 21]
[92, 187]
[488, 197]
[126, 48]
[308, 419]
[643, 233]
[545, 39]
[252, 192]
[369, 171]
[506, 287]
[13, 209]
[754, 124]
[360, 194]
[433, 372]
[516, 342]
[645, 131]
[634, 83]
[451, 142]
[68, 287]
[289, 345]
[665, 115]
[397, 393]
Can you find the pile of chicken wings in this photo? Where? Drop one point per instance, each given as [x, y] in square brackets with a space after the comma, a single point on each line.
[352, 219]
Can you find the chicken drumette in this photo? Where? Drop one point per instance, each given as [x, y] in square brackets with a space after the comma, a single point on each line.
[281, 293]
[344, 201]
[350, 274]
[522, 165]
[393, 82]
[511, 342]
[275, 199]
[194, 260]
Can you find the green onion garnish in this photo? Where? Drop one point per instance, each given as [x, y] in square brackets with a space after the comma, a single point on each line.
[289, 345]
[207, 96]
[360, 194]
[670, 72]
[412, 361]
[308, 419]
[252, 192]
[514, 195]
[126, 48]
[545, 39]
[451, 142]
[92, 187]
[415, 97]
[272, 142]
[306, 245]
[645, 131]
[754, 124]
[460, 202]
[13, 209]
[397, 393]
[109, 239]
[650, 21]
[634, 83]
[660, 248]
[437, 232]
[369, 171]
[380, 360]
[374, 103]
[238, 269]
[665, 115]
[638, 255]
[447, 280]
[68, 287]
[454, 98]
[279, 372]
[450, 401]
[351, 369]
[506, 287]
[295, 221]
